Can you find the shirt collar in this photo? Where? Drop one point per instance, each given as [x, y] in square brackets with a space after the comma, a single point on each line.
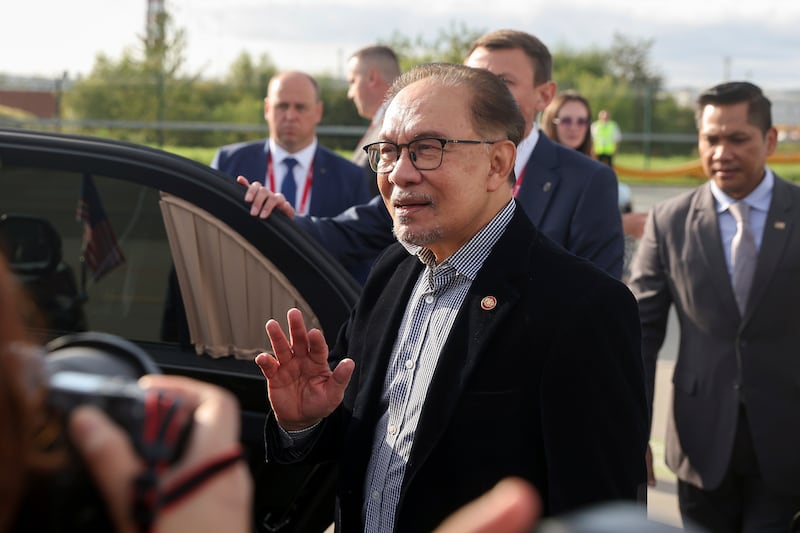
[525, 149]
[304, 157]
[759, 198]
[469, 259]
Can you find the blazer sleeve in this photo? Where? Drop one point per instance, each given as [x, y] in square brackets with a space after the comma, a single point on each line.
[596, 230]
[650, 284]
[593, 392]
[358, 234]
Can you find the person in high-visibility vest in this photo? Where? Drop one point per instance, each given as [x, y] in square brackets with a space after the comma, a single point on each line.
[606, 135]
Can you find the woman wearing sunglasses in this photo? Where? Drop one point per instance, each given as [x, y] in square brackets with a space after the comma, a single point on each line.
[567, 119]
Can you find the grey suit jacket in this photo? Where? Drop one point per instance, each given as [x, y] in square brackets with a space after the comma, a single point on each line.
[360, 157]
[725, 360]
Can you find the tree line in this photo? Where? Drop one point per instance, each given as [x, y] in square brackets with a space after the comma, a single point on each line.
[150, 83]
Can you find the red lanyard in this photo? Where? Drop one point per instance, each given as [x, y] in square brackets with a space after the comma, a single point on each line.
[302, 209]
[518, 184]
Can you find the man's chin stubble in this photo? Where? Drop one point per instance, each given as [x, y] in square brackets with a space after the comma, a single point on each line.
[417, 238]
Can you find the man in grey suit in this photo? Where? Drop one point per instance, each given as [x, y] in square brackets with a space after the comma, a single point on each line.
[733, 437]
[370, 73]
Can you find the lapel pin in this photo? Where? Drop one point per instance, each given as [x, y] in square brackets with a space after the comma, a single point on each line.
[488, 303]
[780, 225]
[547, 186]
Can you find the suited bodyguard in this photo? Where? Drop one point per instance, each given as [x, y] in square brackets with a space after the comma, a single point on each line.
[727, 257]
[370, 72]
[479, 349]
[313, 179]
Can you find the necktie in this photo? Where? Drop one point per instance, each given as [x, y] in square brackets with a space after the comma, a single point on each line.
[743, 254]
[288, 186]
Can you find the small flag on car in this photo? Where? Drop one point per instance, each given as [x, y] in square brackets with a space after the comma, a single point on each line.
[99, 250]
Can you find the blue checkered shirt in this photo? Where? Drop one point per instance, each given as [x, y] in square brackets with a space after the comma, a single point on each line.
[432, 309]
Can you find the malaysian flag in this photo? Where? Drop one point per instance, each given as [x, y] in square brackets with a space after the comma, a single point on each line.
[100, 250]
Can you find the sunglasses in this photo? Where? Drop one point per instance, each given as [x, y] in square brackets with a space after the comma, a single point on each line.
[568, 121]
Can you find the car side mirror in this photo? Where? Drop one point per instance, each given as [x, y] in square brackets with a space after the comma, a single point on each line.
[31, 245]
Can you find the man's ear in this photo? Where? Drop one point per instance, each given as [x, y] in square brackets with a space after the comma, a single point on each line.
[319, 111]
[547, 91]
[772, 141]
[374, 76]
[504, 153]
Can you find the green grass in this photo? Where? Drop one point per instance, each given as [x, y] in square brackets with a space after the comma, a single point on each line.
[197, 153]
[205, 155]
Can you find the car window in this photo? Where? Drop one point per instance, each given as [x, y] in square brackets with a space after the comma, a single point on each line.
[130, 298]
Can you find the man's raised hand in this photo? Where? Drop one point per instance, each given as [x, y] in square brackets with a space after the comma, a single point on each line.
[302, 387]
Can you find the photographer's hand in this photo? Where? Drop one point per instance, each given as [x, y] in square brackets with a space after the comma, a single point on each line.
[302, 387]
[221, 503]
[511, 506]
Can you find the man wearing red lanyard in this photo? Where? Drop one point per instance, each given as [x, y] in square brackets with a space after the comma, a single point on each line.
[291, 163]
[570, 197]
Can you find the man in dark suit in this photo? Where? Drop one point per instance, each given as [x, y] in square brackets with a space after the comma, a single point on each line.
[370, 73]
[318, 182]
[479, 349]
[571, 198]
[733, 437]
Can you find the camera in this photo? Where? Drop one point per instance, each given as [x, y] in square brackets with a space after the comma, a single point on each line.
[102, 370]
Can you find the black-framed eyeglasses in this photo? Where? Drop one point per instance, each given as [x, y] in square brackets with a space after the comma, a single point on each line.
[569, 121]
[426, 153]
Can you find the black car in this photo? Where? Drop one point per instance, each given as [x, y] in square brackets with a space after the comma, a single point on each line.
[162, 251]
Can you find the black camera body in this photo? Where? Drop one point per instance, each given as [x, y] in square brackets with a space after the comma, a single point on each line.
[123, 401]
[101, 370]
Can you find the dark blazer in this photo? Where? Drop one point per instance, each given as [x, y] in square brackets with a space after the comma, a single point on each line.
[571, 198]
[548, 385]
[337, 183]
[725, 358]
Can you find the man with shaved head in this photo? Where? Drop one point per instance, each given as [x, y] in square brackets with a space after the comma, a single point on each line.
[370, 72]
[291, 163]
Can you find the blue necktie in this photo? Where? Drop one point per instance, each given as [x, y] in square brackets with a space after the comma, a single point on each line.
[288, 186]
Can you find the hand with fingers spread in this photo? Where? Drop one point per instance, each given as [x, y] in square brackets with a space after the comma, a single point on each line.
[264, 201]
[302, 387]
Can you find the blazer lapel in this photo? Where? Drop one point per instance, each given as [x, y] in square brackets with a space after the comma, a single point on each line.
[260, 168]
[777, 229]
[385, 318]
[704, 228]
[322, 195]
[540, 180]
[489, 302]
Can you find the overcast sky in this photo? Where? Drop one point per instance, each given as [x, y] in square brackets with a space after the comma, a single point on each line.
[697, 43]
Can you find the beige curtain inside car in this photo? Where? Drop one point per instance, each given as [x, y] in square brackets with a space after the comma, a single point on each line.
[228, 287]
